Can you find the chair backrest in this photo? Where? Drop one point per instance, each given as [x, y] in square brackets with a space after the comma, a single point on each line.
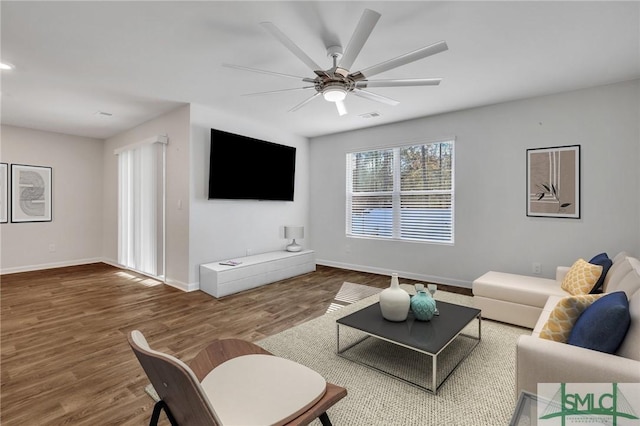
[175, 383]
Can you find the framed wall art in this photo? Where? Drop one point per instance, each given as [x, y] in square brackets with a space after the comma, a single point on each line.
[4, 193]
[30, 193]
[553, 182]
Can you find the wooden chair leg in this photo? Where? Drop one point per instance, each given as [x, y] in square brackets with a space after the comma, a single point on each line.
[155, 416]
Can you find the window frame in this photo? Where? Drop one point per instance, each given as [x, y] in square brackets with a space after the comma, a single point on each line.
[396, 193]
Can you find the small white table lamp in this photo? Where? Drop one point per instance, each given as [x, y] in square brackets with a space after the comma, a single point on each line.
[293, 232]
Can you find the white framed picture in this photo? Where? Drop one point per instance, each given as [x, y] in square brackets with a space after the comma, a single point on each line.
[30, 193]
[4, 193]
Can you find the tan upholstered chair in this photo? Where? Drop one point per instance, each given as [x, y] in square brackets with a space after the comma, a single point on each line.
[235, 382]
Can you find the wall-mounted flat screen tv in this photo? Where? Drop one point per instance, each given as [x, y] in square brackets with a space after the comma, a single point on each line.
[244, 168]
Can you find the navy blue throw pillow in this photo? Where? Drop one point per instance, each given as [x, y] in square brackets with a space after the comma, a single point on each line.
[603, 325]
[603, 260]
[598, 257]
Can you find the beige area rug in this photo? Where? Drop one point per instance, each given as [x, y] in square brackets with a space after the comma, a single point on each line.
[479, 392]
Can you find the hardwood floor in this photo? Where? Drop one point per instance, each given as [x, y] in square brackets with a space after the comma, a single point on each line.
[64, 354]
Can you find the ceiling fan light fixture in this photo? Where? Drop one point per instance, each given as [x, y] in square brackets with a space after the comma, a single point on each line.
[336, 82]
[334, 93]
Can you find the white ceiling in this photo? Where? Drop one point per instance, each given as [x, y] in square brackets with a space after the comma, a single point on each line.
[137, 60]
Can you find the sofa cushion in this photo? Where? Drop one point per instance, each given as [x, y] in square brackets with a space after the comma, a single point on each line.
[564, 315]
[603, 260]
[581, 277]
[618, 270]
[603, 325]
[630, 347]
[630, 283]
[519, 289]
[620, 256]
[544, 315]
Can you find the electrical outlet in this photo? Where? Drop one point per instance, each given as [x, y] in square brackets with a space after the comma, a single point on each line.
[52, 248]
[536, 268]
[249, 252]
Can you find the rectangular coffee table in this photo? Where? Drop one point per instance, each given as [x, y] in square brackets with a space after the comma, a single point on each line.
[425, 337]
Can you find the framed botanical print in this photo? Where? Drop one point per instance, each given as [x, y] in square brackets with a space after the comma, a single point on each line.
[553, 182]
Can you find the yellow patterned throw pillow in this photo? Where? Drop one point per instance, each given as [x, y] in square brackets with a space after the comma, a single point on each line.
[564, 316]
[581, 277]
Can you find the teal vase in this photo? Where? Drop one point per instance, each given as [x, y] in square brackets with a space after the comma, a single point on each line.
[423, 306]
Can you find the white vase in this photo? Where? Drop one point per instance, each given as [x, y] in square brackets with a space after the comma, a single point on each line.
[394, 301]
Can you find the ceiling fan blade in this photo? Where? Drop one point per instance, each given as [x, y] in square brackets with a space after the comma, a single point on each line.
[303, 103]
[375, 97]
[398, 83]
[421, 53]
[278, 91]
[363, 30]
[240, 67]
[282, 37]
[342, 109]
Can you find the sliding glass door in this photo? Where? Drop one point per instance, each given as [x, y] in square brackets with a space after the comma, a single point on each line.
[141, 196]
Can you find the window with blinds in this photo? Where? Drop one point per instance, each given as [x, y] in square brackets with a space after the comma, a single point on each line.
[403, 193]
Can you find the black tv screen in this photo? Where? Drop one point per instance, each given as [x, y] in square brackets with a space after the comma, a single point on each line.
[245, 168]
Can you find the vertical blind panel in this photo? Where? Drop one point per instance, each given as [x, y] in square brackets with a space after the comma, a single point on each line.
[124, 208]
[146, 213]
[140, 209]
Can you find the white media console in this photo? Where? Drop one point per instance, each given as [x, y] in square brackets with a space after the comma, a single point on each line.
[254, 271]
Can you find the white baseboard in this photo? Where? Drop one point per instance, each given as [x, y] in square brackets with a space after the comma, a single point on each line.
[182, 286]
[402, 274]
[188, 287]
[168, 281]
[30, 268]
[111, 263]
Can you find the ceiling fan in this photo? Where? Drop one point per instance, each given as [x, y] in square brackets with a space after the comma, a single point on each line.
[336, 82]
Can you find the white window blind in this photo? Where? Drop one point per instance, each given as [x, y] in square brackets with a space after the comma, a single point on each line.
[141, 207]
[402, 193]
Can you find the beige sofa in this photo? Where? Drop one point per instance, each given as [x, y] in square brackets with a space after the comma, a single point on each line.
[545, 361]
[515, 299]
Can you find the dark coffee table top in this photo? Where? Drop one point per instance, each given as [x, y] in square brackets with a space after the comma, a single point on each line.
[427, 336]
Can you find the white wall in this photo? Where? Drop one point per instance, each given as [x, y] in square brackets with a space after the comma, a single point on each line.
[175, 125]
[201, 230]
[225, 229]
[492, 231]
[75, 230]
